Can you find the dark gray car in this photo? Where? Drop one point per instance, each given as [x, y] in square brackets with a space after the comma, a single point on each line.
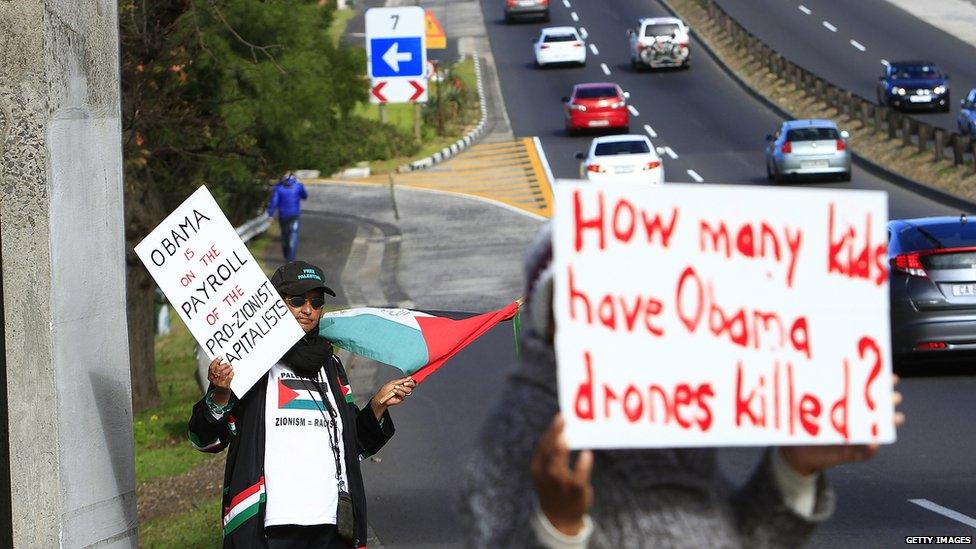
[933, 288]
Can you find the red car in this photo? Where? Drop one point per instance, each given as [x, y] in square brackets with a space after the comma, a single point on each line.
[601, 105]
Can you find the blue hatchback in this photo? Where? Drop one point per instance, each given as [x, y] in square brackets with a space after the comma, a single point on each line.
[913, 84]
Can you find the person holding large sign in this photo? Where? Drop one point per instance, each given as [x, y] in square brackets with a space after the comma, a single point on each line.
[523, 489]
[295, 438]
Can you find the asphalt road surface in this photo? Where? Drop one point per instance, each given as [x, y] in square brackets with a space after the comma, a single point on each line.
[716, 133]
[883, 31]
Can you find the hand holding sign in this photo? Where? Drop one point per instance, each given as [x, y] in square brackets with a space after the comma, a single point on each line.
[218, 289]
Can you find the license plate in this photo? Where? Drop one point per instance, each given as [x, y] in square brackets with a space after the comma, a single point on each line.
[920, 99]
[598, 123]
[964, 289]
[807, 164]
[527, 3]
[623, 169]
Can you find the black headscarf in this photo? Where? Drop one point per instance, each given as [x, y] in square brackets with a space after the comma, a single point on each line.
[309, 354]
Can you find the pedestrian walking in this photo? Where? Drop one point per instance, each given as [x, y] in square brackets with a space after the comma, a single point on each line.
[296, 438]
[521, 489]
[286, 199]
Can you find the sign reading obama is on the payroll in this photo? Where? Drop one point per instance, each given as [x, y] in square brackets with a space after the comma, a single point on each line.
[219, 290]
[708, 315]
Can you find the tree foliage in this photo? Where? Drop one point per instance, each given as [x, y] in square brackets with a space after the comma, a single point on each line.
[229, 93]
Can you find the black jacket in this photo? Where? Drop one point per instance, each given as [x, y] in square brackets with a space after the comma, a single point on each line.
[242, 428]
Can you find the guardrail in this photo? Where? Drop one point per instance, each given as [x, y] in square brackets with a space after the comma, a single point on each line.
[912, 132]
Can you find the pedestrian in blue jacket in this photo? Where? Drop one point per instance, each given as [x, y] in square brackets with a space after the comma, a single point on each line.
[287, 198]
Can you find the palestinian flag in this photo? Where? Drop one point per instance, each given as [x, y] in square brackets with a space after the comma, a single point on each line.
[415, 343]
[295, 394]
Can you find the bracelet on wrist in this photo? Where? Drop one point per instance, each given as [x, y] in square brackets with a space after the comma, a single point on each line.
[217, 409]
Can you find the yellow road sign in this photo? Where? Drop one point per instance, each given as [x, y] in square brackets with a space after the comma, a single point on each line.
[436, 38]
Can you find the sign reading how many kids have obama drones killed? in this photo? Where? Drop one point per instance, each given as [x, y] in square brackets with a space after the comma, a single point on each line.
[705, 315]
[219, 290]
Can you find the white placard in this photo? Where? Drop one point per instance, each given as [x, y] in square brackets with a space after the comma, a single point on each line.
[711, 315]
[219, 290]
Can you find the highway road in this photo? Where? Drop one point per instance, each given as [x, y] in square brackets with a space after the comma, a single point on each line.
[844, 42]
[715, 131]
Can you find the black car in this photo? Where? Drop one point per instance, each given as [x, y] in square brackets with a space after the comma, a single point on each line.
[933, 288]
[913, 84]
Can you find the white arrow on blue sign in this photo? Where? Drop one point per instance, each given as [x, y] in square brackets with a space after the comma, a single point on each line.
[396, 57]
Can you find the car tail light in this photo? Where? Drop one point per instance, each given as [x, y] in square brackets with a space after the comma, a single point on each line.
[653, 164]
[910, 263]
[786, 148]
[841, 146]
[544, 46]
[575, 107]
[544, 2]
[618, 105]
[577, 44]
[595, 168]
[512, 3]
[931, 346]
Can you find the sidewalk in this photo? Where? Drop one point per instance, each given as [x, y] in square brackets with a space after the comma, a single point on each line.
[956, 17]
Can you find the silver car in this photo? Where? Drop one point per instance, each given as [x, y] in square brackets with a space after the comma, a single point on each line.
[808, 148]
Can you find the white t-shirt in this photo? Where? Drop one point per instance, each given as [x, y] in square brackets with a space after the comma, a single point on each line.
[299, 463]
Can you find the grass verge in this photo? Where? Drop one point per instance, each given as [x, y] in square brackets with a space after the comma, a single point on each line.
[864, 141]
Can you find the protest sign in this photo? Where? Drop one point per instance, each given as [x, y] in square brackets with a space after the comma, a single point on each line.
[710, 315]
[219, 290]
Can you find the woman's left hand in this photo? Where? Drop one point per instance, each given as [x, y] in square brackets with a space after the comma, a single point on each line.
[394, 392]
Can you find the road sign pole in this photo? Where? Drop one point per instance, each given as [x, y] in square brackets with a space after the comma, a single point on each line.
[382, 108]
[416, 121]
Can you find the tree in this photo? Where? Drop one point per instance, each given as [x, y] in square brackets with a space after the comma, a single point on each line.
[228, 93]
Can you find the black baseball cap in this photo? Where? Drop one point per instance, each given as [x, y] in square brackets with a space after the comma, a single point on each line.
[298, 277]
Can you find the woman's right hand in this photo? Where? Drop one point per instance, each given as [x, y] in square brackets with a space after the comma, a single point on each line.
[565, 494]
[220, 375]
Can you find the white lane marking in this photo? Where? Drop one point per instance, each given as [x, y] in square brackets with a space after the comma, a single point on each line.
[857, 45]
[594, 50]
[574, 16]
[545, 161]
[650, 131]
[670, 152]
[829, 27]
[945, 511]
[885, 62]
[694, 175]
[583, 33]
[606, 69]
[566, 3]
[805, 9]
[633, 111]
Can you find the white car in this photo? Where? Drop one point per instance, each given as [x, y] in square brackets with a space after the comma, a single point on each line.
[659, 42]
[623, 158]
[559, 45]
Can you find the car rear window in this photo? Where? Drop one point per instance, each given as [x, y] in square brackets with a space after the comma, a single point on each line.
[945, 235]
[812, 134]
[559, 38]
[621, 147]
[594, 93]
[666, 29]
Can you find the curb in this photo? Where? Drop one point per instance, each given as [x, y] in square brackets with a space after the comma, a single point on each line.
[464, 142]
[862, 161]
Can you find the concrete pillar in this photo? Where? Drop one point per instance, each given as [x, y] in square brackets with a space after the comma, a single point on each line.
[69, 428]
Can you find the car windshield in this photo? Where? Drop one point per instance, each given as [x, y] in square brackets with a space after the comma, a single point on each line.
[621, 147]
[596, 93]
[664, 29]
[811, 134]
[917, 72]
[559, 38]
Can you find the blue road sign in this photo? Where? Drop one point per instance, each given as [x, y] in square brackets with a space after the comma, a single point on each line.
[396, 57]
